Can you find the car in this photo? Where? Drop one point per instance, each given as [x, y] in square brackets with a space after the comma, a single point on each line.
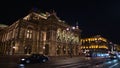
[34, 58]
[87, 55]
[112, 56]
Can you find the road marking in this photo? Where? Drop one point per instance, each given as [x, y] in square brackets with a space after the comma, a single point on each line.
[113, 65]
[71, 65]
[80, 66]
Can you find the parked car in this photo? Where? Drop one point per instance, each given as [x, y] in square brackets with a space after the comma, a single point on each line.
[34, 58]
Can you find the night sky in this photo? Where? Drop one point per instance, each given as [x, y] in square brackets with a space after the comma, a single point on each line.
[95, 17]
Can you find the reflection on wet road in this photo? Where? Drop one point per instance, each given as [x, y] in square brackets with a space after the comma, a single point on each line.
[115, 63]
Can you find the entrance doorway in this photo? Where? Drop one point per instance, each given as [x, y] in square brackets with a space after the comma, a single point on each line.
[27, 49]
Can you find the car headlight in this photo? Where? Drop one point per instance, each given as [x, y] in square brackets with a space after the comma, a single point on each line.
[114, 56]
[21, 65]
[23, 59]
[119, 56]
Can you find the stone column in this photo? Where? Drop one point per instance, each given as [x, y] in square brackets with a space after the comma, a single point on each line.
[61, 50]
[67, 49]
[52, 49]
[34, 45]
[52, 44]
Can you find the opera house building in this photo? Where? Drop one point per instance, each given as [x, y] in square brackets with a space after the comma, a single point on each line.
[42, 33]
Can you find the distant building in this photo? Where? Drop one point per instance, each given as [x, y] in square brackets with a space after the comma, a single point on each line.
[96, 44]
[40, 33]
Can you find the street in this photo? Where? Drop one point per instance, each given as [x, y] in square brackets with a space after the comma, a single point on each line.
[109, 64]
[64, 62]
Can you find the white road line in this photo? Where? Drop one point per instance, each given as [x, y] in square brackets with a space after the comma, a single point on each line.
[80, 66]
[113, 65]
[71, 65]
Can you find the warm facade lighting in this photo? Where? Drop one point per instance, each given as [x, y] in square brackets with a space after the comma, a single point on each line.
[96, 43]
[40, 32]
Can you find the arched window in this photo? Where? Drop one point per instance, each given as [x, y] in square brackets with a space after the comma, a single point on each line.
[58, 34]
[29, 33]
[58, 31]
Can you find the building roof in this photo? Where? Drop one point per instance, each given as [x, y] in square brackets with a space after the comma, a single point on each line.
[3, 25]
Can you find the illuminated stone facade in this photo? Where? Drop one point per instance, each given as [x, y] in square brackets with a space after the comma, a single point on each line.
[95, 44]
[40, 33]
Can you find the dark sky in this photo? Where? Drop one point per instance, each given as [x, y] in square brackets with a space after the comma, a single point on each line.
[94, 16]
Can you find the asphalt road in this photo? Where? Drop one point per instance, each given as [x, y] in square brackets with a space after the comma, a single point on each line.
[115, 63]
[62, 62]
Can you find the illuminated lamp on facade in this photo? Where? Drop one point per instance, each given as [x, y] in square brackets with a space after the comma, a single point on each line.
[96, 46]
[43, 47]
[89, 40]
[14, 47]
[67, 29]
[99, 38]
[86, 46]
[103, 47]
[92, 46]
[95, 39]
[73, 27]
